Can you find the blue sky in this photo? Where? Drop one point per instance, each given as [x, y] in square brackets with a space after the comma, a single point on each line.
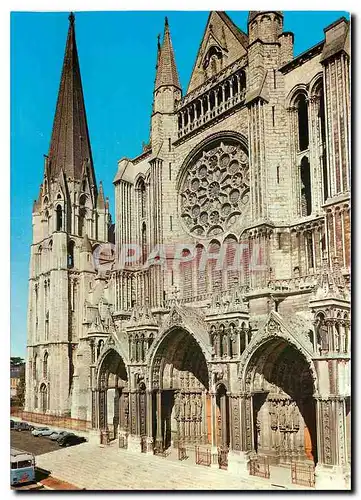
[117, 52]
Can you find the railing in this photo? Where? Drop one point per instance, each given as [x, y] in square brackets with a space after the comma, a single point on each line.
[203, 456]
[207, 116]
[159, 451]
[182, 452]
[288, 284]
[300, 283]
[52, 420]
[104, 436]
[123, 441]
[303, 474]
[223, 458]
[211, 83]
[259, 466]
[143, 444]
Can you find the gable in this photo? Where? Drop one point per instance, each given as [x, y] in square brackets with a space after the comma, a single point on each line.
[222, 44]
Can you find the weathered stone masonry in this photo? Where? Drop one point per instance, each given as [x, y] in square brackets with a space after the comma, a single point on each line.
[254, 362]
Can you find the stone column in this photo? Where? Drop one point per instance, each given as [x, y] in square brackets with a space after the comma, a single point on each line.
[134, 438]
[332, 470]
[242, 432]
[149, 396]
[213, 422]
[159, 438]
[103, 417]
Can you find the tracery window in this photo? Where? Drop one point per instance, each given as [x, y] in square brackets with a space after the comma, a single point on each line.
[215, 190]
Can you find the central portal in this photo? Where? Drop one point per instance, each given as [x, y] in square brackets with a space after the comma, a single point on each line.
[181, 411]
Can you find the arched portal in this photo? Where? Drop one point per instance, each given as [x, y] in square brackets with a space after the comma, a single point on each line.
[113, 390]
[181, 403]
[283, 407]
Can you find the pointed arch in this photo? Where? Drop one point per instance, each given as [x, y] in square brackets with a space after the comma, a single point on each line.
[301, 103]
[71, 247]
[306, 191]
[59, 218]
[44, 398]
[45, 364]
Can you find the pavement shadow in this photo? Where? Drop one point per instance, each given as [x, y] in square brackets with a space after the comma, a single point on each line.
[41, 474]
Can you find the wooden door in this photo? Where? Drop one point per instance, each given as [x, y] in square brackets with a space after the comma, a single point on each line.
[308, 443]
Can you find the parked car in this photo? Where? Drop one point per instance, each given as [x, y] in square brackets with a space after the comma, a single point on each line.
[38, 430]
[55, 436]
[23, 426]
[70, 440]
[12, 424]
[46, 432]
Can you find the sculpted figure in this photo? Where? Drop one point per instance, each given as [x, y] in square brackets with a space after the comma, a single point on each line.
[273, 415]
[282, 415]
[295, 417]
[176, 406]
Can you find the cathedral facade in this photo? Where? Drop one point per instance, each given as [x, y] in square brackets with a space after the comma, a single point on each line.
[215, 312]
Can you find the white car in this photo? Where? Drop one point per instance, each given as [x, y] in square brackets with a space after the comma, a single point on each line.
[46, 432]
[39, 430]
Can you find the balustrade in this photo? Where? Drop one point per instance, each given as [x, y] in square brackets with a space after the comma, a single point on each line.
[213, 103]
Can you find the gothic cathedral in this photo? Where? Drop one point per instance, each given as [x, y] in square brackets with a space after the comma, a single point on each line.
[249, 166]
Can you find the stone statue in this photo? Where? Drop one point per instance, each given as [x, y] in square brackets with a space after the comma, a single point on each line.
[273, 415]
[294, 416]
[282, 415]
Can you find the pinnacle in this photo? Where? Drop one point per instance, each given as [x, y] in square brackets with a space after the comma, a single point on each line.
[167, 74]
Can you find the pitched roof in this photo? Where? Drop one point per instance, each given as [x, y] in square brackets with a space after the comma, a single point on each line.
[167, 73]
[219, 30]
[70, 144]
[238, 33]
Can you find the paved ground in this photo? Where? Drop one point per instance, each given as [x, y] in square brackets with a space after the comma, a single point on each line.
[25, 441]
[95, 468]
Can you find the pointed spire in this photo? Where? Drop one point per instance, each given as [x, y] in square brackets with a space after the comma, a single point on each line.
[167, 74]
[100, 200]
[70, 144]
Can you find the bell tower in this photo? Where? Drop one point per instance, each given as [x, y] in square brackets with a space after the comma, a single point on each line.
[69, 207]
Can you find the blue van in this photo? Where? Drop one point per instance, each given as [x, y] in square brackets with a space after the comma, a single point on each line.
[22, 465]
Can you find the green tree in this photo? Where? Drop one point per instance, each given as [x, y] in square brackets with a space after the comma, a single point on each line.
[16, 361]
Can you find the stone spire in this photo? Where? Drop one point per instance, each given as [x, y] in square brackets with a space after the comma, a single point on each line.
[167, 74]
[100, 200]
[70, 144]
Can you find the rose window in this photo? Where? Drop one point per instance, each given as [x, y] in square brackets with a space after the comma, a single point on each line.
[215, 190]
